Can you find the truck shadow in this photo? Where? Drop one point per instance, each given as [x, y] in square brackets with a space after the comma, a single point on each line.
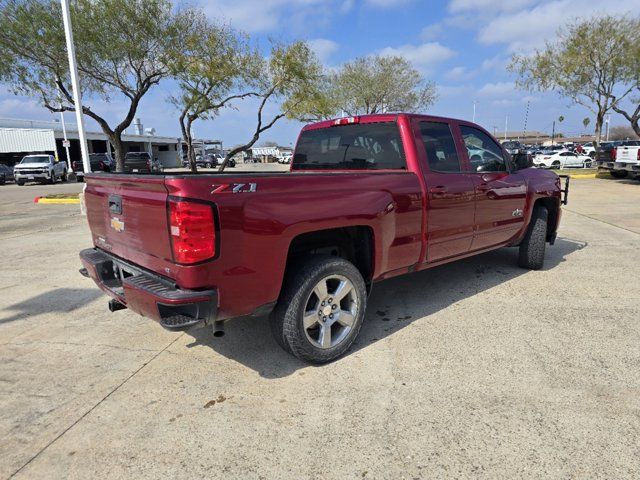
[249, 341]
[58, 300]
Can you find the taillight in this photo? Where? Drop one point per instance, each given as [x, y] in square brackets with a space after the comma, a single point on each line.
[614, 153]
[192, 231]
[101, 165]
[74, 164]
[149, 164]
[638, 157]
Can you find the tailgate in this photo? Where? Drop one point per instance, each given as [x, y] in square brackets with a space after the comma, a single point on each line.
[127, 215]
[626, 154]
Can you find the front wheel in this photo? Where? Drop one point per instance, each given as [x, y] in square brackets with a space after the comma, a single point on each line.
[64, 176]
[587, 164]
[321, 309]
[208, 165]
[52, 180]
[531, 254]
[20, 183]
[556, 165]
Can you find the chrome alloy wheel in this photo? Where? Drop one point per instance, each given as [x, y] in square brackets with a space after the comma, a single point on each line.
[330, 312]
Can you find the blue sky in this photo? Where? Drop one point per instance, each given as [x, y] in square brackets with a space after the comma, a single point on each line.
[463, 45]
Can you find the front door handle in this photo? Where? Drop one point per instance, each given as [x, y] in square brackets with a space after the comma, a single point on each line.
[438, 190]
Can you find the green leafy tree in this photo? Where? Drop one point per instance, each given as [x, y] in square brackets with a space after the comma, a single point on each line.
[586, 121]
[589, 63]
[123, 48]
[290, 79]
[377, 84]
[213, 68]
[561, 118]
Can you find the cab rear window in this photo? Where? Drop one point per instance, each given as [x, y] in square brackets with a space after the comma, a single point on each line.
[372, 146]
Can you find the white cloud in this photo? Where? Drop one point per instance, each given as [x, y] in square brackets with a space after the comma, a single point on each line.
[274, 15]
[432, 32]
[423, 56]
[458, 73]
[497, 89]
[457, 6]
[323, 48]
[387, 3]
[532, 23]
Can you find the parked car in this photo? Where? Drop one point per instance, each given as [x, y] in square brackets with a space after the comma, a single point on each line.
[562, 159]
[139, 162]
[367, 198]
[40, 167]
[100, 162]
[626, 157]
[513, 147]
[285, 158]
[605, 160]
[6, 173]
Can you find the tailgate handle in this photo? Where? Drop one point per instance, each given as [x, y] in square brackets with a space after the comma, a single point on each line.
[115, 204]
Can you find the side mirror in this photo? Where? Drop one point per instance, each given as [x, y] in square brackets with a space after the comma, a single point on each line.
[522, 161]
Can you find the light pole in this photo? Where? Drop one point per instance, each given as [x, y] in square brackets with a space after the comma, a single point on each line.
[474, 110]
[65, 141]
[607, 122]
[75, 84]
[506, 123]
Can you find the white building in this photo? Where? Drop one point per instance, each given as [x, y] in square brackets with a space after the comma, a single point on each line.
[20, 137]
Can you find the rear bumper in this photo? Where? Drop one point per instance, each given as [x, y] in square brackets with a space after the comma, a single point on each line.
[628, 166]
[148, 294]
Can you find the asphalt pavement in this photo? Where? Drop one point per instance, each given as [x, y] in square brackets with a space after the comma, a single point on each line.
[476, 369]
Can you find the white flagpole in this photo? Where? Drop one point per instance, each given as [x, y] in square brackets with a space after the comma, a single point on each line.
[75, 84]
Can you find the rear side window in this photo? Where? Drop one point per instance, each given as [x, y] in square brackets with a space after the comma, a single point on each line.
[485, 155]
[440, 147]
[371, 146]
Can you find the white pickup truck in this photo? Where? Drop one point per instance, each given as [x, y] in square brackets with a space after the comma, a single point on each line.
[627, 158]
[40, 168]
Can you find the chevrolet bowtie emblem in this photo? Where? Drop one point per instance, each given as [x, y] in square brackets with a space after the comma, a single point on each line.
[117, 224]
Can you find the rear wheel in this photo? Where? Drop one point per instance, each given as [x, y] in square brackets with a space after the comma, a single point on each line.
[532, 248]
[52, 179]
[20, 182]
[64, 175]
[208, 164]
[556, 165]
[321, 309]
[619, 173]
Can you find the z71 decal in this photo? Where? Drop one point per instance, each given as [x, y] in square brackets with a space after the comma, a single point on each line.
[235, 188]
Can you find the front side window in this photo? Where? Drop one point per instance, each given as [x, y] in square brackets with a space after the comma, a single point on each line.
[371, 146]
[440, 147]
[485, 155]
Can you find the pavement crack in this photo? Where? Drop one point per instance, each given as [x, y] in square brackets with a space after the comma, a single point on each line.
[75, 344]
[61, 434]
[600, 220]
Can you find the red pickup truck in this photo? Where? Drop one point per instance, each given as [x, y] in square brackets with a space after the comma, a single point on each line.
[367, 198]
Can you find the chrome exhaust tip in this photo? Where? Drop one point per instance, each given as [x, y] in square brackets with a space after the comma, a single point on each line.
[218, 329]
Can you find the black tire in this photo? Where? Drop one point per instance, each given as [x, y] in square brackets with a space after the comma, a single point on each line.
[587, 164]
[20, 182]
[532, 247]
[52, 180]
[287, 318]
[231, 163]
[556, 165]
[619, 173]
[3, 180]
[208, 165]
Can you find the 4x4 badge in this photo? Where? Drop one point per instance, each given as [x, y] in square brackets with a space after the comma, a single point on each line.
[516, 213]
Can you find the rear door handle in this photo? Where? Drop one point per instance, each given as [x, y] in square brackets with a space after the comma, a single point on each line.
[438, 189]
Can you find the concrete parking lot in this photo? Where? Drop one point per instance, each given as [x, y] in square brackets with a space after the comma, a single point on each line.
[474, 369]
